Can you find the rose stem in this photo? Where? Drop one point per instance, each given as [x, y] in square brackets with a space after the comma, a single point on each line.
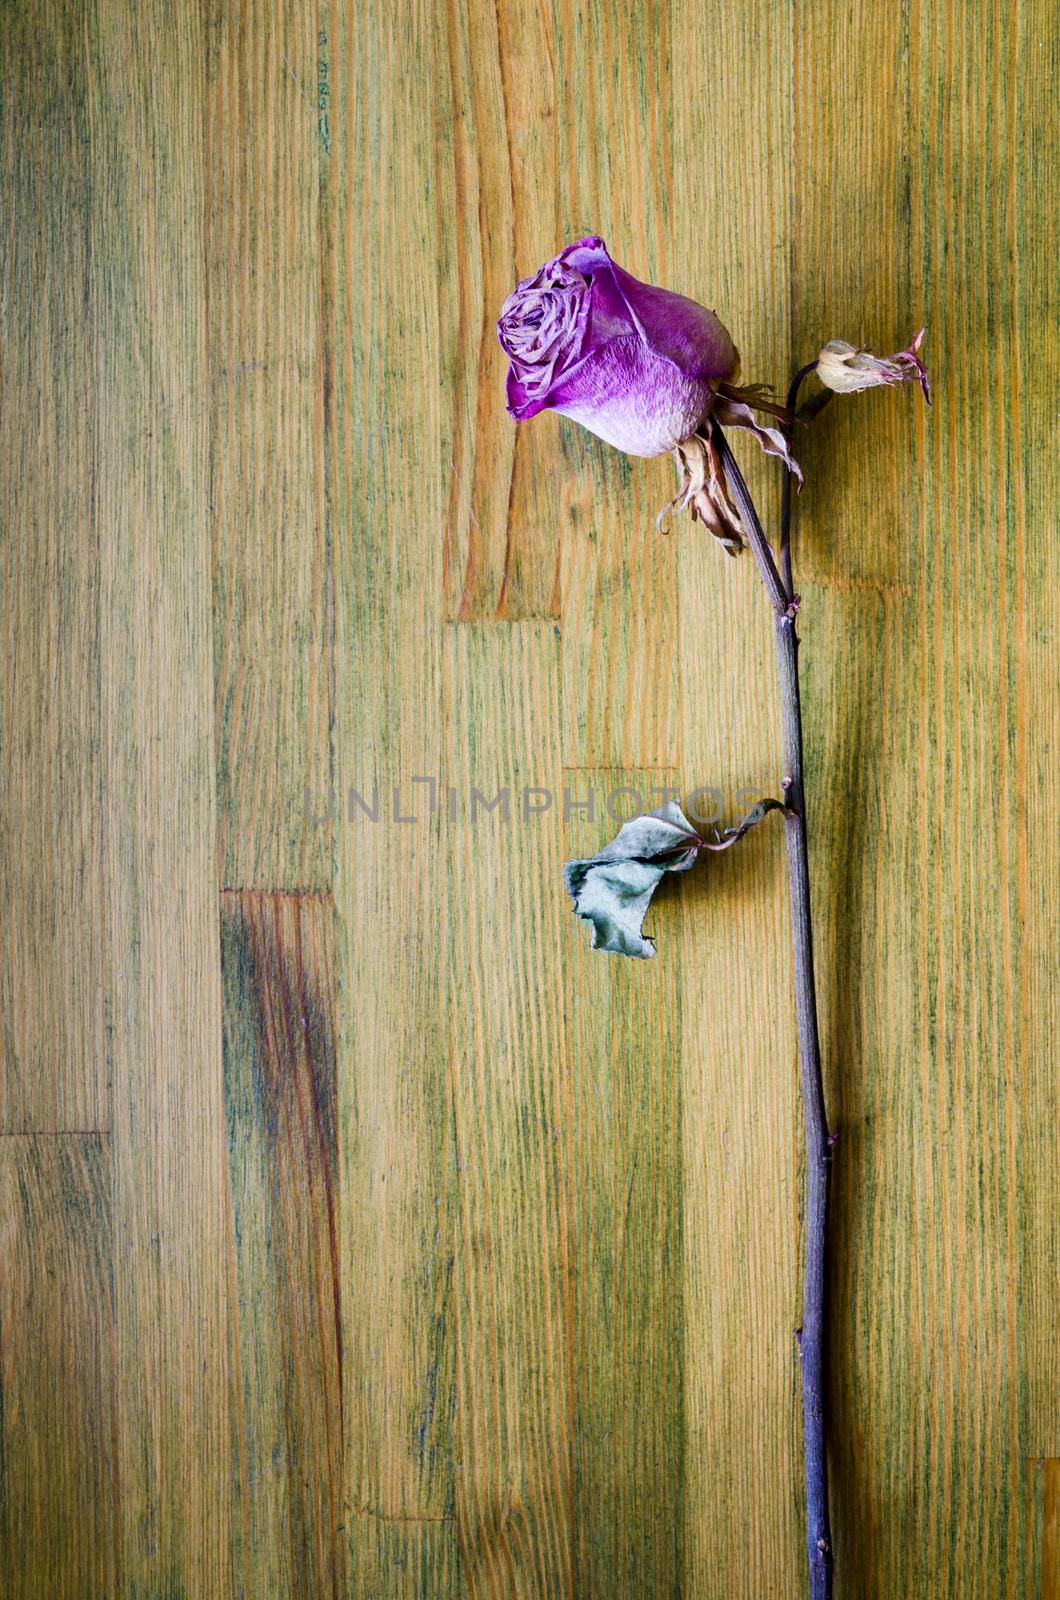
[812, 1344]
[791, 406]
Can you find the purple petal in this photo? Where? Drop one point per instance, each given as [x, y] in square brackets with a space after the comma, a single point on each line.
[519, 404]
[674, 326]
[633, 398]
[690, 335]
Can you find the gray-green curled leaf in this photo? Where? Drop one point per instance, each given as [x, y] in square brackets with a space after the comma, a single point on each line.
[612, 890]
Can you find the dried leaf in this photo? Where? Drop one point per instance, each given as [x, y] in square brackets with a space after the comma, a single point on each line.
[612, 890]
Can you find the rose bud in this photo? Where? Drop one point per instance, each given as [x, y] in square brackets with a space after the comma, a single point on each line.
[640, 367]
[843, 368]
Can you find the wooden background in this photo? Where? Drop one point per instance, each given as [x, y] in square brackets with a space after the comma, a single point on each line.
[363, 1235]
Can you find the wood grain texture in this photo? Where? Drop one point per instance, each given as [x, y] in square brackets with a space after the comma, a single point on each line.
[740, 1102]
[1032, 694]
[1043, 1531]
[494, 83]
[947, 253]
[59, 1504]
[626, 1225]
[860, 720]
[510, 1106]
[267, 372]
[53, 1074]
[619, 584]
[148, 492]
[397, 1148]
[278, 961]
[364, 1236]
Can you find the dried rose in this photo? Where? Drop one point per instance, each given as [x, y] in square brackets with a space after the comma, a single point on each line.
[845, 369]
[640, 367]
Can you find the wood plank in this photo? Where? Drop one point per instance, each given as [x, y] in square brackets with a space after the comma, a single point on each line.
[731, 227]
[743, 1524]
[493, 86]
[619, 587]
[863, 731]
[278, 961]
[59, 1493]
[163, 992]
[512, 1115]
[621, 674]
[1033, 694]
[267, 371]
[397, 1152]
[929, 157]
[627, 1213]
[854, 277]
[740, 1163]
[964, 69]
[53, 1073]
[1043, 1529]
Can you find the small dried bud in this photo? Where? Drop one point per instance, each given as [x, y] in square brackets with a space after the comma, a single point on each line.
[844, 369]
